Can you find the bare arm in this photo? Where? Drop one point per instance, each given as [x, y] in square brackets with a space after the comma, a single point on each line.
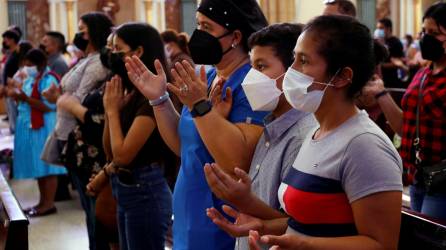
[392, 112]
[152, 87]
[106, 140]
[167, 120]
[71, 104]
[124, 148]
[235, 143]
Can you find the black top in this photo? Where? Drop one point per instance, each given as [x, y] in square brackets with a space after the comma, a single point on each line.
[154, 150]
[11, 66]
[390, 76]
[84, 147]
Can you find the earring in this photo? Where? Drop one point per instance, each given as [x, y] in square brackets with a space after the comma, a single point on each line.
[234, 45]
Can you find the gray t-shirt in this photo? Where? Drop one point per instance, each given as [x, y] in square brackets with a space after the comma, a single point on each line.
[275, 152]
[355, 160]
[79, 81]
[57, 64]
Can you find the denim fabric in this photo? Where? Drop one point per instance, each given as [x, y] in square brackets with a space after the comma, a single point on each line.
[80, 179]
[11, 109]
[144, 209]
[431, 205]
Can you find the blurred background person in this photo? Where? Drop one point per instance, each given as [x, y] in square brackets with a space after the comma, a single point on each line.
[85, 76]
[11, 38]
[35, 121]
[339, 7]
[176, 46]
[53, 43]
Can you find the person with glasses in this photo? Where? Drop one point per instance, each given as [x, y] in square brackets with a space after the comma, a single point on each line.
[431, 81]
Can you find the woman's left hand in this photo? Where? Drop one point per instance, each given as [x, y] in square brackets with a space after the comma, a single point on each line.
[189, 88]
[113, 95]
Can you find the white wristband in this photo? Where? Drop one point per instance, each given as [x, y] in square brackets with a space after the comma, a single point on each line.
[160, 100]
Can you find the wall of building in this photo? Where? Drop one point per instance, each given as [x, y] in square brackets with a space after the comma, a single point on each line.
[37, 16]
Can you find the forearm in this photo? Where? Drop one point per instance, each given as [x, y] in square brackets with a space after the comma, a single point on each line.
[77, 110]
[274, 226]
[116, 136]
[389, 65]
[37, 104]
[392, 112]
[167, 120]
[253, 206]
[106, 140]
[342, 243]
[226, 142]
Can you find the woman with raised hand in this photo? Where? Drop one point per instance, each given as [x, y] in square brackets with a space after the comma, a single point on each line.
[344, 190]
[132, 140]
[221, 40]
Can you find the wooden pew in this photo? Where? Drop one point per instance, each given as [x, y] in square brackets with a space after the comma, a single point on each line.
[13, 222]
[421, 232]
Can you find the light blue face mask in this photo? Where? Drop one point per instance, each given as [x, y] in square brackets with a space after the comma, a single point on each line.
[31, 71]
[379, 33]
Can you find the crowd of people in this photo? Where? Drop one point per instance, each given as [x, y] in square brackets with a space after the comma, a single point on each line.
[244, 136]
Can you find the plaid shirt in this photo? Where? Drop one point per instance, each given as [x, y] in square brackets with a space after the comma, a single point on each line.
[432, 121]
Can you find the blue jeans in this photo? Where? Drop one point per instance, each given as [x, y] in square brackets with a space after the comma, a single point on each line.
[433, 205]
[144, 208]
[80, 178]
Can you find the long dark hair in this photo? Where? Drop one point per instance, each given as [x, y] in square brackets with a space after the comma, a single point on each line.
[141, 34]
[99, 27]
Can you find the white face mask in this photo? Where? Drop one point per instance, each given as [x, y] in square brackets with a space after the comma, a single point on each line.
[261, 91]
[31, 71]
[295, 89]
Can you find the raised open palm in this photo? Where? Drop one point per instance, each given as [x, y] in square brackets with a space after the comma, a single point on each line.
[151, 85]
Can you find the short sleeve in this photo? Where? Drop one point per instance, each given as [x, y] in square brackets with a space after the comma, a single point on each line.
[370, 165]
[144, 109]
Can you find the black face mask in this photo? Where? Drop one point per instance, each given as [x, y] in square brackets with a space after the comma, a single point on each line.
[431, 48]
[104, 55]
[5, 46]
[117, 66]
[206, 48]
[80, 42]
[42, 47]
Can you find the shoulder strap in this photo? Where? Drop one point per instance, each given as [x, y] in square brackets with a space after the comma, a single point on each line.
[416, 142]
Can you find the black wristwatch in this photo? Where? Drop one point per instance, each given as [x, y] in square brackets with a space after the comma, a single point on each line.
[201, 108]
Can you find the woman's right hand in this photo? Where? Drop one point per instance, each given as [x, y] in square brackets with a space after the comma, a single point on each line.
[96, 184]
[242, 225]
[150, 85]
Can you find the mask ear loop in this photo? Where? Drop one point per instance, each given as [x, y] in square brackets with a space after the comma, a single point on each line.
[233, 46]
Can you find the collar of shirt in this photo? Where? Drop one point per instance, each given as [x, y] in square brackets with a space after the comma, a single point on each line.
[274, 128]
[430, 71]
